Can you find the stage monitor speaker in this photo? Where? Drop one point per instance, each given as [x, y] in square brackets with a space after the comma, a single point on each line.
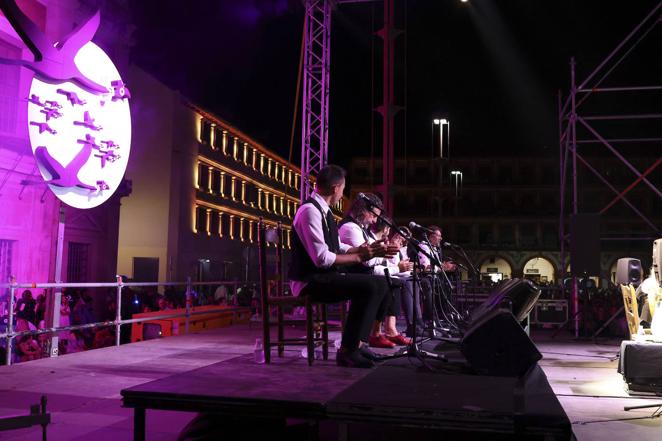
[496, 344]
[657, 260]
[517, 295]
[628, 271]
[585, 244]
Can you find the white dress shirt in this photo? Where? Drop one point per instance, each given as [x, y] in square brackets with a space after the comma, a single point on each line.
[352, 235]
[307, 224]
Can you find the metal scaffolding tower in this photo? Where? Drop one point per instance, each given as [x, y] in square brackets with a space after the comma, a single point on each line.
[315, 115]
[570, 119]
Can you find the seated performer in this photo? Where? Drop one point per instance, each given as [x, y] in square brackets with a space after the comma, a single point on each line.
[435, 239]
[317, 255]
[355, 231]
[407, 294]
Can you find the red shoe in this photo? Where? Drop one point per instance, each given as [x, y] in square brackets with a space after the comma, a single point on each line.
[399, 339]
[380, 342]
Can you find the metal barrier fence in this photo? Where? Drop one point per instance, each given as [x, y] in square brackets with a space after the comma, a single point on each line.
[10, 335]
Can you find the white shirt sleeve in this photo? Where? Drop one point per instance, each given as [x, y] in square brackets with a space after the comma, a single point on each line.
[422, 258]
[352, 235]
[308, 225]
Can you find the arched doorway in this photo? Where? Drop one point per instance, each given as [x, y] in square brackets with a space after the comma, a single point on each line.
[540, 270]
[496, 268]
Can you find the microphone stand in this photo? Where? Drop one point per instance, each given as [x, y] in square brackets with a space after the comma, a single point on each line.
[414, 349]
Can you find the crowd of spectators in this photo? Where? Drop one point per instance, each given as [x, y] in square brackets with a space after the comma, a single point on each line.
[77, 307]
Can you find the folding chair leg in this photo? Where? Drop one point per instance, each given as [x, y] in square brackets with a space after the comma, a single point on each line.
[310, 336]
[325, 332]
[281, 332]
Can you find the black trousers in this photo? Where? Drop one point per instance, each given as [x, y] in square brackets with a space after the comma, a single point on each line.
[392, 299]
[366, 293]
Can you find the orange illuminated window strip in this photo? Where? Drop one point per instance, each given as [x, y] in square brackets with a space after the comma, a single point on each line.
[282, 204]
[254, 161]
[241, 229]
[208, 221]
[245, 153]
[259, 198]
[212, 135]
[269, 164]
[289, 238]
[235, 149]
[243, 191]
[289, 178]
[196, 175]
[250, 231]
[262, 163]
[210, 175]
[289, 209]
[229, 171]
[225, 142]
[222, 189]
[194, 218]
[233, 188]
[232, 213]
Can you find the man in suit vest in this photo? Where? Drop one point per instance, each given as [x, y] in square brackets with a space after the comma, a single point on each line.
[317, 261]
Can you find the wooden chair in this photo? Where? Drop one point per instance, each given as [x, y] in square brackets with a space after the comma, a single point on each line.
[316, 322]
[631, 309]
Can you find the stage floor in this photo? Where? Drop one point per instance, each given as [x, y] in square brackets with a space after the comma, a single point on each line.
[83, 389]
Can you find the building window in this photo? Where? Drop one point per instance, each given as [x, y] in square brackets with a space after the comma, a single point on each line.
[217, 137]
[77, 262]
[266, 201]
[241, 229]
[250, 231]
[231, 227]
[205, 131]
[9, 86]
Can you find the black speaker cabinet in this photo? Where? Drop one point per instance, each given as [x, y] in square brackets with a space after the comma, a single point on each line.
[628, 271]
[585, 244]
[495, 344]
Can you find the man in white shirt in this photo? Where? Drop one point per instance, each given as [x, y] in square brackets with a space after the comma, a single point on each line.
[317, 256]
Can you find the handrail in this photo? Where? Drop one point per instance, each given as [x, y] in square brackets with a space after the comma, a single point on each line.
[10, 334]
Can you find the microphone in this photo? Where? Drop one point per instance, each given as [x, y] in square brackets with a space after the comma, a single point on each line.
[449, 245]
[414, 226]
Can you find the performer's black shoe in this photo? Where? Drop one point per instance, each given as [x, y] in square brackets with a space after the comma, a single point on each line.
[366, 352]
[353, 359]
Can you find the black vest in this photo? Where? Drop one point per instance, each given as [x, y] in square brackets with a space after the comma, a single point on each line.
[301, 265]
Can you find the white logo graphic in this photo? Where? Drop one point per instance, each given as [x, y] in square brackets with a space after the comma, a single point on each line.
[81, 140]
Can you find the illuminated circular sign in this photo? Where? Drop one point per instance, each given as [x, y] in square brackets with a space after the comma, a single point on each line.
[81, 137]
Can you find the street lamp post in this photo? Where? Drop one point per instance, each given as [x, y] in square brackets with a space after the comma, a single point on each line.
[441, 122]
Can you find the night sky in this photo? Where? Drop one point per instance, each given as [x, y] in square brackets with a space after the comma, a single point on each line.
[492, 67]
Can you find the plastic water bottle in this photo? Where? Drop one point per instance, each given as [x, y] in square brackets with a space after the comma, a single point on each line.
[259, 351]
[317, 354]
